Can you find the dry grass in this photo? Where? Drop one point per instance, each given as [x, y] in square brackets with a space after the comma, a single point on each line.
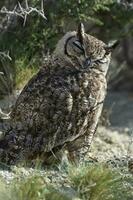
[23, 73]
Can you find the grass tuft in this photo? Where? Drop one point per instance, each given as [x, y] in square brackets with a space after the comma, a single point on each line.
[91, 182]
[98, 182]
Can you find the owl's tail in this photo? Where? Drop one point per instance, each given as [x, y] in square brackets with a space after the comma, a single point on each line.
[9, 150]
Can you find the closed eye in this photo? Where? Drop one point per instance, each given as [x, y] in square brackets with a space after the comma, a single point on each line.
[78, 45]
[102, 60]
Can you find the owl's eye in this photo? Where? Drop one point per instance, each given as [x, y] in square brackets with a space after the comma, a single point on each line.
[78, 45]
[102, 60]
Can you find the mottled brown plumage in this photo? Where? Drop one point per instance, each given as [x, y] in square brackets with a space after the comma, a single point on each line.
[60, 106]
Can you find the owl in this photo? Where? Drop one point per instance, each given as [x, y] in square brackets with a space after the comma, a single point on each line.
[60, 106]
[130, 165]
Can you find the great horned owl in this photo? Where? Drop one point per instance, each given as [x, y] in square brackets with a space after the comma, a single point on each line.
[60, 106]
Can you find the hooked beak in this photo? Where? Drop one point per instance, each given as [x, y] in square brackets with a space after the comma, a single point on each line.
[87, 63]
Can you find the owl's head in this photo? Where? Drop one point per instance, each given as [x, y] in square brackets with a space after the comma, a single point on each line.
[84, 51]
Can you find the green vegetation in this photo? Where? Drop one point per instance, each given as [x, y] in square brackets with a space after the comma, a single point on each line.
[92, 182]
[24, 73]
[101, 183]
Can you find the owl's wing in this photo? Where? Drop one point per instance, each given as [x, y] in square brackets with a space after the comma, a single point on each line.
[43, 109]
[29, 98]
[56, 111]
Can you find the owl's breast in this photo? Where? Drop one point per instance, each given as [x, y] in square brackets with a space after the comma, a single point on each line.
[87, 96]
[87, 89]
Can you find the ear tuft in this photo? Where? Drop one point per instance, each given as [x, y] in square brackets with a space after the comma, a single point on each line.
[81, 32]
[111, 46]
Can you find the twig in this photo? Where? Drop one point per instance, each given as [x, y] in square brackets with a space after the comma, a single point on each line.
[24, 12]
[5, 55]
[4, 115]
[126, 4]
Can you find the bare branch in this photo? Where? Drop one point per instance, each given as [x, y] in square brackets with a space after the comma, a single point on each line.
[126, 4]
[4, 115]
[24, 12]
[13, 12]
[26, 4]
[5, 55]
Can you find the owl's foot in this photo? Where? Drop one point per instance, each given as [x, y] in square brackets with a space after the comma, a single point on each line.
[78, 156]
[81, 157]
